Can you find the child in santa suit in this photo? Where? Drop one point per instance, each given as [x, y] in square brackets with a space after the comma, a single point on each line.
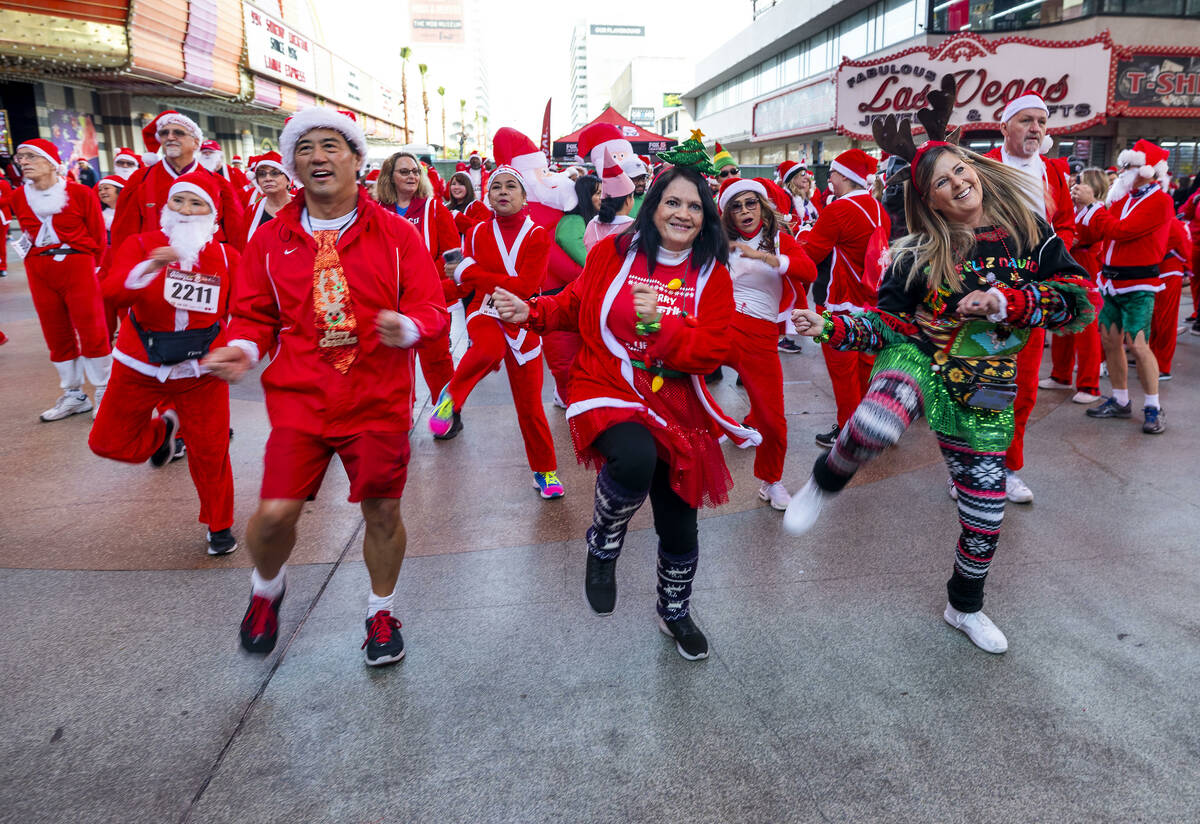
[1136, 229]
[842, 233]
[176, 282]
[1164, 326]
[1082, 349]
[65, 229]
[508, 250]
[770, 272]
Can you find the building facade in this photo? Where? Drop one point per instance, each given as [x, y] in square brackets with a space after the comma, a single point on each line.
[804, 80]
[599, 52]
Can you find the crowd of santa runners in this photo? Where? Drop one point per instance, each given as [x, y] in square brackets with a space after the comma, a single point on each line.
[935, 282]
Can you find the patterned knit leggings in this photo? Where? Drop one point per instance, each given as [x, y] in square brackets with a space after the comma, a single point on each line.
[893, 401]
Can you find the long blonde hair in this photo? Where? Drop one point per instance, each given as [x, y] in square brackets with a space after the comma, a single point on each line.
[385, 188]
[936, 245]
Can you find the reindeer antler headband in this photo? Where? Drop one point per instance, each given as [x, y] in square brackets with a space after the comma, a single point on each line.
[895, 137]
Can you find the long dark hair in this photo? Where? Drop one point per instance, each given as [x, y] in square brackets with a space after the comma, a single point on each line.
[464, 179]
[609, 207]
[585, 187]
[709, 245]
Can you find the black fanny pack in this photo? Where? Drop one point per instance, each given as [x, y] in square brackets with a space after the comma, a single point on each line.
[170, 348]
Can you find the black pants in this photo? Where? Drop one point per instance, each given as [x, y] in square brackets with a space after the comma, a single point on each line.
[631, 457]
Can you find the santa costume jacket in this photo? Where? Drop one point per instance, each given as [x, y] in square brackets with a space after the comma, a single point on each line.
[386, 267]
[145, 196]
[435, 225]
[1060, 209]
[843, 231]
[79, 225]
[1136, 229]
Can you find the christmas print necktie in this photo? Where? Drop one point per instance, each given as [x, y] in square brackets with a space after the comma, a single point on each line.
[331, 300]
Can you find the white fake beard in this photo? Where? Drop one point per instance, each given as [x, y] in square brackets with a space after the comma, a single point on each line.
[47, 202]
[212, 160]
[1125, 183]
[125, 172]
[187, 234]
[554, 189]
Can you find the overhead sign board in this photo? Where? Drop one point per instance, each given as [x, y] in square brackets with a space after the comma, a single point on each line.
[436, 21]
[618, 31]
[278, 51]
[1157, 83]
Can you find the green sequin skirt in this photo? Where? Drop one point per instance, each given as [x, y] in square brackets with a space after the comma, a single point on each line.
[984, 430]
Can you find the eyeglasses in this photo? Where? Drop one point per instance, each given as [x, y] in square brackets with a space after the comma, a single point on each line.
[172, 133]
[728, 172]
[407, 172]
[748, 205]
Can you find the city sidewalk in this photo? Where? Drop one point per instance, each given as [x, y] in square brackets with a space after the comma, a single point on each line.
[835, 692]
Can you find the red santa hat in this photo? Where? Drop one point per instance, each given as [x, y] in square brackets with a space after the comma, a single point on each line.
[1029, 100]
[113, 180]
[318, 117]
[47, 150]
[269, 159]
[600, 134]
[506, 170]
[1149, 158]
[514, 148]
[614, 182]
[787, 169]
[731, 187]
[460, 166]
[210, 146]
[780, 199]
[372, 176]
[167, 118]
[202, 184]
[236, 159]
[125, 151]
[855, 165]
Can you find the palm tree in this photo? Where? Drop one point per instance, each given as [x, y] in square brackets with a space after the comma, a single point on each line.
[422, 68]
[462, 131]
[405, 53]
[441, 90]
[483, 136]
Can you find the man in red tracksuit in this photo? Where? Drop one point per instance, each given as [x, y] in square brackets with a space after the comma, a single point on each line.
[176, 282]
[63, 228]
[1136, 228]
[337, 293]
[1048, 195]
[842, 234]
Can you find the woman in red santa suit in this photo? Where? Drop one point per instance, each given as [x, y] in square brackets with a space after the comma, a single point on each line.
[512, 250]
[799, 184]
[176, 282]
[1069, 349]
[272, 180]
[404, 190]
[64, 229]
[770, 273]
[464, 206]
[653, 307]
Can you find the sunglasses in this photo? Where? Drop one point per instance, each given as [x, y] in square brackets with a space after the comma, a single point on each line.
[407, 172]
[727, 172]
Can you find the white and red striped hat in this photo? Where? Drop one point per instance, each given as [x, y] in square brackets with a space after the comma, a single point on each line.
[113, 180]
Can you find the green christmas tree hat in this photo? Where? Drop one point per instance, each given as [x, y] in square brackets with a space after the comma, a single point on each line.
[690, 153]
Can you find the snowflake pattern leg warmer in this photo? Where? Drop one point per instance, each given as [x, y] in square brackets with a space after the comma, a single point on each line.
[675, 574]
[979, 478]
[614, 508]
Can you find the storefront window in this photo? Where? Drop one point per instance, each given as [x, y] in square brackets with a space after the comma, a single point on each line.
[853, 42]
[899, 21]
[949, 16]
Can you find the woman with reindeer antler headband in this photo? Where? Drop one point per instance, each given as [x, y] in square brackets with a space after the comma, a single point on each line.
[976, 272]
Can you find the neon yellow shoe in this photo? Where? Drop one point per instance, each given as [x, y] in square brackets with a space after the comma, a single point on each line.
[549, 485]
[442, 421]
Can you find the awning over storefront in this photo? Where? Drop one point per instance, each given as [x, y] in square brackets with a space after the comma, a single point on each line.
[644, 142]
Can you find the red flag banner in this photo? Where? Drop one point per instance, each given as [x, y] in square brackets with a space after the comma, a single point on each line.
[546, 131]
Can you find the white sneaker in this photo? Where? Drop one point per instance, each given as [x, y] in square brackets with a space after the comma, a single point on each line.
[951, 489]
[97, 394]
[804, 508]
[775, 494]
[1016, 490]
[558, 401]
[72, 402]
[1051, 383]
[1085, 397]
[979, 628]
[1104, 370]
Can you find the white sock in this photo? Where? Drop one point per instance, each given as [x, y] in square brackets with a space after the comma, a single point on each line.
[267, 589]
[1152, 400]
[1121, 396]
[375, 603]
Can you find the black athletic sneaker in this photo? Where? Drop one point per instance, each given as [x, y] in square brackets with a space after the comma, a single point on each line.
[1156, 420]
[689, 640]
[260, 625]
[180, 450]
[828, 439]
[452, 432]
[166, 449]
[384, 645]
[600, 584]
[1110, 409]
[221, 542]
[789, 347]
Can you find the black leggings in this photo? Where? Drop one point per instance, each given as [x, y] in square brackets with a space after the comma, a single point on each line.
[631, 459]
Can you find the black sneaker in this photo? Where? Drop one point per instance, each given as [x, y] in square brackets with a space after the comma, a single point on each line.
[826, 440]
[689, 640]
[1110, 409]
[221, 542]
[452, 432]
[1196, 328]
[180, 450]
[166, 450]
[260, 625]
[384, 645]
[789, 347]
[1156, 420]
[1164, 376]
[600, 584]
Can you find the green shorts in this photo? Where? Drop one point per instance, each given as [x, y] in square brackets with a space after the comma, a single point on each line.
[1130, 312]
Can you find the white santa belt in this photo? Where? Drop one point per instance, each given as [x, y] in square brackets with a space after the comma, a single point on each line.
[843, 307]
[162, 372]
[515, 344]
[1110, 287]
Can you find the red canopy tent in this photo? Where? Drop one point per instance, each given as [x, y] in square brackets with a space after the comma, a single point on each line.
[644, 142]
